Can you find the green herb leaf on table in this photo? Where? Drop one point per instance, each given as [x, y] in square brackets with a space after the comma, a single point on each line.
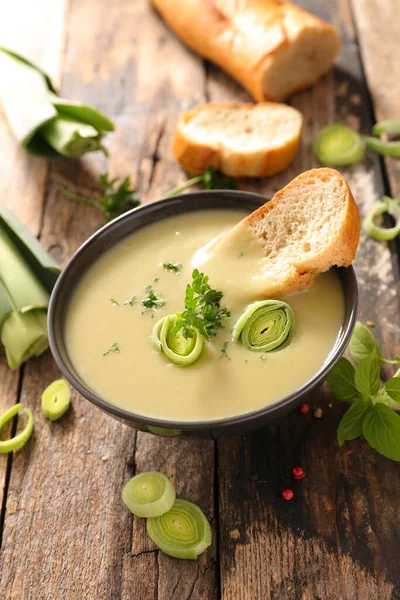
[210, 178]
[363, 342]
[117, 197]
[392, 389]
[381, 429]
[350, 427]
[203, 311]
[175, 267]
[341, 380]
[367, 376]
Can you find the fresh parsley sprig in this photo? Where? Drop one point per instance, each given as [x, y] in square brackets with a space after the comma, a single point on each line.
[175, 267]
[119, 198]
[373, 414]
[116, 198]
[203, 311]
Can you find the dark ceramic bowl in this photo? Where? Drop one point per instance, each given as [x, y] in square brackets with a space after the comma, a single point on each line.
[112, 233]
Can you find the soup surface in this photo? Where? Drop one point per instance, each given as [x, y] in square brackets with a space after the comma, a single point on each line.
[106, 310]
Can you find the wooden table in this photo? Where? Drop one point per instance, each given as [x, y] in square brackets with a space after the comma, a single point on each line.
[65, 534]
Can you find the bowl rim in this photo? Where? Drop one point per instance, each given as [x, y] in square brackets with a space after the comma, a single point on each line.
[221, 423]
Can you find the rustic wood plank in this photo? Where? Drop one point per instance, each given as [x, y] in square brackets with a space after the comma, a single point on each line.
[22, 178]
[114, 57]
[377, 24]
[339, 537]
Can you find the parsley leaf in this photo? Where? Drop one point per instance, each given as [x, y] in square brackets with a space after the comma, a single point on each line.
[116, 198]
[152, 300]
[203, 311]
[224, 351]
[113, 348]
[176, 267]
[210, 178]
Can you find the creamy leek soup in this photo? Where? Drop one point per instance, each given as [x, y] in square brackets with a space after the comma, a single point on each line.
[108, 330]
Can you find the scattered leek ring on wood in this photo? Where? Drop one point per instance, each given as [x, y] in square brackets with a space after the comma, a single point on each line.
[337, 145]
[42, 123]
[21, 438]
[390, 206]
[56, 399]
[182, 532]
[265, 326]
[149, 494]
[179, 350]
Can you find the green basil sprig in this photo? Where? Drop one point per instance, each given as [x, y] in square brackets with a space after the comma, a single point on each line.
[372, 414]
[42, 123]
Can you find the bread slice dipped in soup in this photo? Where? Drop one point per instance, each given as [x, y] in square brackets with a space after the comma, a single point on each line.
[216, 313]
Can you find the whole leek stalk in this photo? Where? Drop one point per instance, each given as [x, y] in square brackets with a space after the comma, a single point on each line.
[42, 123]
[27, 276]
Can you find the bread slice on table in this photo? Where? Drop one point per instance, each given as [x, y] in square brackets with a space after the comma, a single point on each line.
[308, 227]
[271, 47]
[239, 139]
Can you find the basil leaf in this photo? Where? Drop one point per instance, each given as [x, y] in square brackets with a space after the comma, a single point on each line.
[367, 376]
[350, 427]
[381, 429]
[392, 388]
[341, 380]
[362, 343]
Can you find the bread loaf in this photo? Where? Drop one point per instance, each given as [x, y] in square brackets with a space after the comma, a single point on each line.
[271, 47]
[239, 139]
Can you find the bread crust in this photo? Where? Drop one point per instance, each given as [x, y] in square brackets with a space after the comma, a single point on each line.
[342, 248]
[195, 157]
[272, 47]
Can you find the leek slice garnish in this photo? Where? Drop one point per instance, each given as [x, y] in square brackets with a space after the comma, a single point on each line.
[265, 326]
[337, 145]
[182, 532]
[21, 438]
[177, 348]
[27, 276]
[56, 399]
[42, 123]
[390, 206]
[149, 494]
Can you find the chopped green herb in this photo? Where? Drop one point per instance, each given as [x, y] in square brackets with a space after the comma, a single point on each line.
[156, 278]
[241, 254]
[176, 267]
[114, 302]
[113, 348]
[117, 197]
[152, 300]
[130, 301]
[203, 311]
[224, 351]
[263, 357]
[246, 361]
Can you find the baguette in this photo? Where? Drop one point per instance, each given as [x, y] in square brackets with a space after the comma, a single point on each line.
[239, 139]
[271, 47]
[309, 226]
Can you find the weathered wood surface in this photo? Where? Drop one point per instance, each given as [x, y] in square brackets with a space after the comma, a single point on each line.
[65, 528]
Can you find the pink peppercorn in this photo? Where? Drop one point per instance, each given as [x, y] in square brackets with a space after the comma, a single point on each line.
[305, 409]
[298, 473]
[287, 494]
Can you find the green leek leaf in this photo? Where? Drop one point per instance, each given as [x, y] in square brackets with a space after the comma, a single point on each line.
[40, 262]
[42, 123]
[24, 335]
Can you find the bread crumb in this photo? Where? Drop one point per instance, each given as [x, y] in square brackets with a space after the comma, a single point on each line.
[318, 412]
[371, 323]
[104, 458]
